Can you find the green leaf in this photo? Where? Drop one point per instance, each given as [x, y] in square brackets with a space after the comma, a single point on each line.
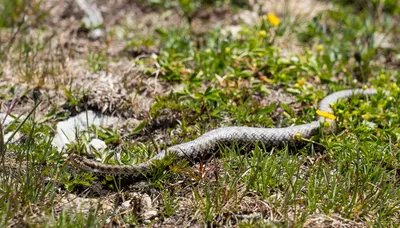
[293, 91]
[139, 128]
[267, 110]
[245, 74]
[287, 108]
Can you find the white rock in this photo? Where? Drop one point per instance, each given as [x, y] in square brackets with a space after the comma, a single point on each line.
[149, 214]
[93, 13]
[146, 202]
[382, 40]
[248, 17]
[93, 18]
[68, 129]
[126, 204]
[232, 30]
[7, 119]
[96, 145]
[97, 33]
[14, 139]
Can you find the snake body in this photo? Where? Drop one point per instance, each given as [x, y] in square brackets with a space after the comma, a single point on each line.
[208, 142]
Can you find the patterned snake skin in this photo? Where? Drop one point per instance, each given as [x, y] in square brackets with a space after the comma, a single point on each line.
[209, 142]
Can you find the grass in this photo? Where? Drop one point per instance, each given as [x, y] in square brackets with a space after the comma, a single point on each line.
[351, 175]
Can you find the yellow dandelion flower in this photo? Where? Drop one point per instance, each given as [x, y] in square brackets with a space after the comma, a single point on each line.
[262, 33]
[227, 50]
[273, 19]
[320, 48]
[326, 114]
[301, 81]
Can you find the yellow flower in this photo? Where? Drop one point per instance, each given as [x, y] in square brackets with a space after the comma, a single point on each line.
[320, 47]
[262, 33]
[301, 81]
[227, 49]
[326, 114]
[273, 19]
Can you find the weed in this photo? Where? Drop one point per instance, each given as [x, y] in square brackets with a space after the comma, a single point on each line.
[11, 12]
[170, 203]
[80, 219]
[97, 62]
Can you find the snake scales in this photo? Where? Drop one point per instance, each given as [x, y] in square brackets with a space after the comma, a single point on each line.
[208, 142]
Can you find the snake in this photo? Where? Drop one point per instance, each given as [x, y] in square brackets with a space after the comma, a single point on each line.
[209, 142]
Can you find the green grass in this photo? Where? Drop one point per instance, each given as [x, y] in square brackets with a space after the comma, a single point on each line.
[352, 173]
[11, 12]
[96, 62]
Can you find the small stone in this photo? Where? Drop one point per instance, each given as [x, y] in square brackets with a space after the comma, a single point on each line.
[98, 145]
[14, 138]
[93, 14]
[68, 129]
[232, 30]
[382, 40]
[96, 34]
[247, 17]
[126, 204]
[7, 119]
[146, 202]
[149, 215]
